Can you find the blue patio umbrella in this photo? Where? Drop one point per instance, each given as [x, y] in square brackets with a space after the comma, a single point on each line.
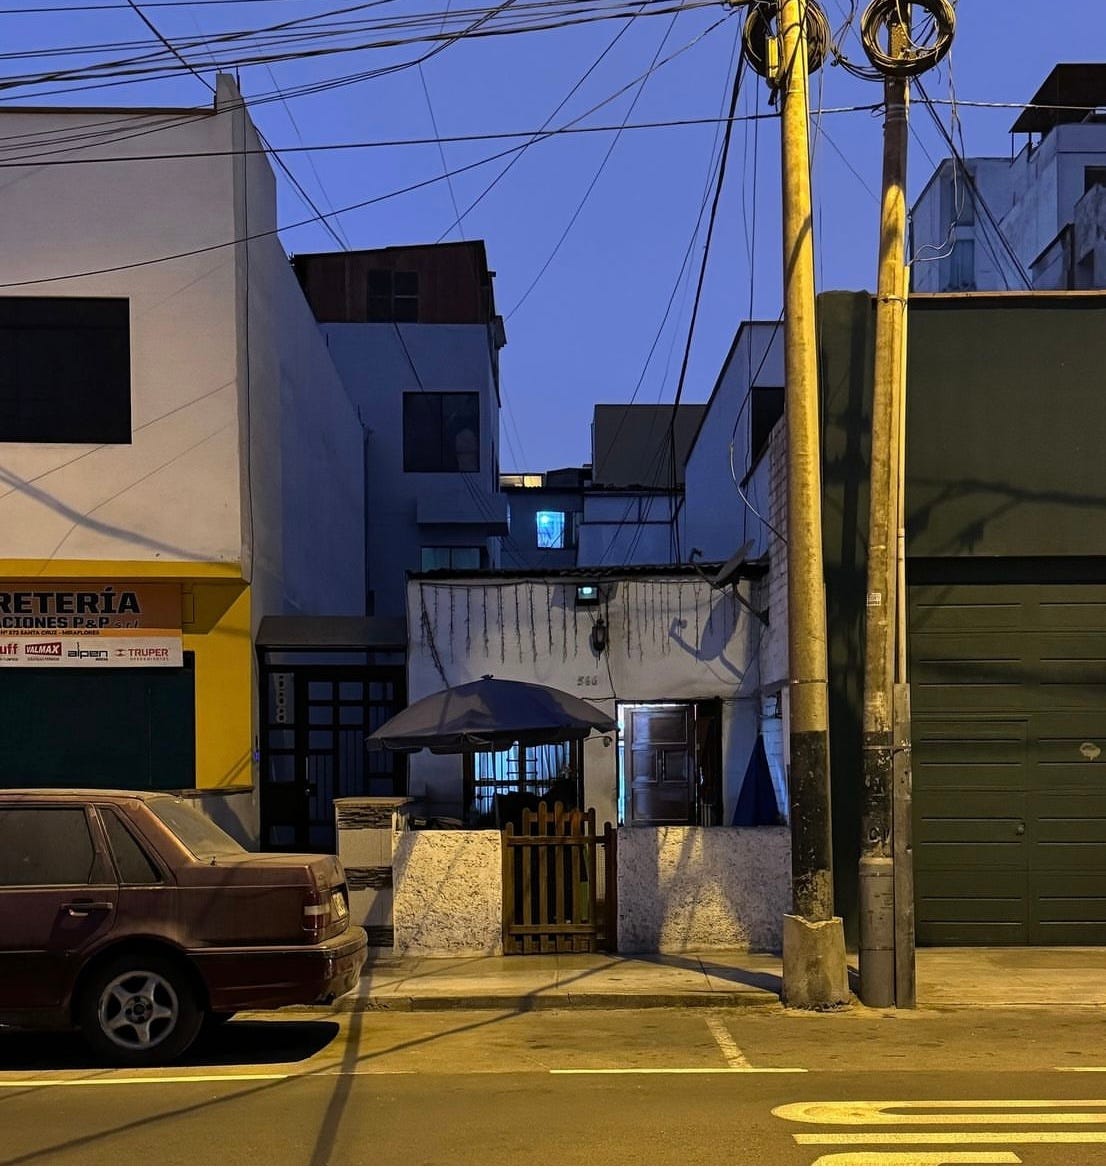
[488, 715]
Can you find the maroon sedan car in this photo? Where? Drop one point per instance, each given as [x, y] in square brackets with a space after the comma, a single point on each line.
[132, 916]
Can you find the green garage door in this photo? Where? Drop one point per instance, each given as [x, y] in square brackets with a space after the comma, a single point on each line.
[129, 728]
[1009, 704]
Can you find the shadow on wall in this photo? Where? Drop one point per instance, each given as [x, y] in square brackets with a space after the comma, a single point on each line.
[711, 645]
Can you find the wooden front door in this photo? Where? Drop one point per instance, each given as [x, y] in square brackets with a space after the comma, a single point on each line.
[660, 764]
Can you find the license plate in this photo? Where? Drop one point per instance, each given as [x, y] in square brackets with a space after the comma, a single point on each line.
[338, 905]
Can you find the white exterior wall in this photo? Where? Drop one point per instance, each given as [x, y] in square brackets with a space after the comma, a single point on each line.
[302, 442]
[376, 371]
[716, 520]
[173, 493]
[669, 639]
[1033, 197]
[178, 492]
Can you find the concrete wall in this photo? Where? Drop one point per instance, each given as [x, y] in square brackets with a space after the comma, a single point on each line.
[302, 448]
[448, 893]
[685, 889]
[376, 369]
[620, 529]
[717, 520]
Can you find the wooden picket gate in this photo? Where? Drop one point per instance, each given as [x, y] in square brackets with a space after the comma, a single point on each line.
[551, 897]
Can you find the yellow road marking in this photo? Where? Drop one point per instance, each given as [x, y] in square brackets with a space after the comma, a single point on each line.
[918, 1159]
[965, 1112]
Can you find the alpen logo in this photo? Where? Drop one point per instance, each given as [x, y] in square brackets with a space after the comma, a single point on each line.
[43, 649]
[79, 654]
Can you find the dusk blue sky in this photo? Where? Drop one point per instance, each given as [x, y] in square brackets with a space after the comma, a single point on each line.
[582, 331]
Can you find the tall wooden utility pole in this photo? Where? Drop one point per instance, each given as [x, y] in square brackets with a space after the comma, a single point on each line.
[814, 970]
[877, 873]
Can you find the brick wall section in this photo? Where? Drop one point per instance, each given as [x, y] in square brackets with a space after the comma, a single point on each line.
[774, 650]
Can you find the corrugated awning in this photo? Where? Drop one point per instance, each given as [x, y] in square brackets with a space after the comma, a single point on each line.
[350, 633]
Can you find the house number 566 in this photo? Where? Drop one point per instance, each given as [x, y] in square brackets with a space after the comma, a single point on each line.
[587, 679]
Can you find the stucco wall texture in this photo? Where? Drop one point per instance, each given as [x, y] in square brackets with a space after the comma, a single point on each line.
[678, 889]
[696, 888]
[447, 893]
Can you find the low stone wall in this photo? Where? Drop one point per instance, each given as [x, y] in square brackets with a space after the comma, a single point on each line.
[697, 888]
[448, 893]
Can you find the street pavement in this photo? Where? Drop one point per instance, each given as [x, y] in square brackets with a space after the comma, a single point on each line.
[642, 1086]
[992, 977]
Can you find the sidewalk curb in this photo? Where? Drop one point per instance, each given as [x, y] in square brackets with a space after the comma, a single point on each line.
[546, 1003]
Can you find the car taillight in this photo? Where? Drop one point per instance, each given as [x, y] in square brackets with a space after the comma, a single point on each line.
[326, 910]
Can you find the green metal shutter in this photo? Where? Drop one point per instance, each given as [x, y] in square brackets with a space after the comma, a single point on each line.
[128, 728]
[1009, 703]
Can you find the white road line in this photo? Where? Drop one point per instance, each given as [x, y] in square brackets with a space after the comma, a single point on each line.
[953, 1137]
[957, 1113]
[918, 1159]
[1081, 1068]
[178, 1079]
[735, 1058]
[704, 1070]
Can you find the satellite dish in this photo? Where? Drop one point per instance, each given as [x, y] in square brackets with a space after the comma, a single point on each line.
[729, 571]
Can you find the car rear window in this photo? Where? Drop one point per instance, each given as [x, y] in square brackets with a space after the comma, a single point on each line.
[131, 859]
[45, 846]
[201, 836]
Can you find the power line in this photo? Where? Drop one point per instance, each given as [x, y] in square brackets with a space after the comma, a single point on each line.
[977, 196]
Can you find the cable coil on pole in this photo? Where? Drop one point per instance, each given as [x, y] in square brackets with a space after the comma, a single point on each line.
[758, 34]
[882, 14]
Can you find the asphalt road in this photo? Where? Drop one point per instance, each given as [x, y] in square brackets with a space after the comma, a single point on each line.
[656, 1087]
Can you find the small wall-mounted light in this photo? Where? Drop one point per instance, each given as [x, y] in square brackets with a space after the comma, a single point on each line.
[599, 635]
[586, 593]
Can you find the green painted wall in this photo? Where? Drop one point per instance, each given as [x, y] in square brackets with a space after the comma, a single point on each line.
[1006, 459]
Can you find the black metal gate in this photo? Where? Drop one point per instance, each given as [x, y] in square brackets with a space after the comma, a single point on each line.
[314, 721]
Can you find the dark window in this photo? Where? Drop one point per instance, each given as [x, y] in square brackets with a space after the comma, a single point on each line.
[453, 558]
[131, 859]
[65, 370]
[45, 846]
[393, 296]
[441, 432]
[1093, 176]
[765, 410]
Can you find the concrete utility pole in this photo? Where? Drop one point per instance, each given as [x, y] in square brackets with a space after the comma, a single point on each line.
[814, 970]
[886, 882]
[877, 874]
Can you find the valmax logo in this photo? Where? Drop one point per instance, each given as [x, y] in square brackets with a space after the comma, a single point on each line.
[43, 649]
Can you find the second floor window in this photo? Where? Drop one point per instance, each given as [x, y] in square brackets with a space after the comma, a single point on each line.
[65, 370]
[551, 530]
[393, 296]
[441, 432]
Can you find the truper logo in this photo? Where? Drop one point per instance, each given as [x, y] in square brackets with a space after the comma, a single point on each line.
[43, 649]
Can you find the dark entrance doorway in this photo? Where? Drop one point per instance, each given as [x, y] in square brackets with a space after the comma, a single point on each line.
[315, 722]
[327, 682]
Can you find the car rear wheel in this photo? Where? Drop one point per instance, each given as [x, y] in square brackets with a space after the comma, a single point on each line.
[139, 1010]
